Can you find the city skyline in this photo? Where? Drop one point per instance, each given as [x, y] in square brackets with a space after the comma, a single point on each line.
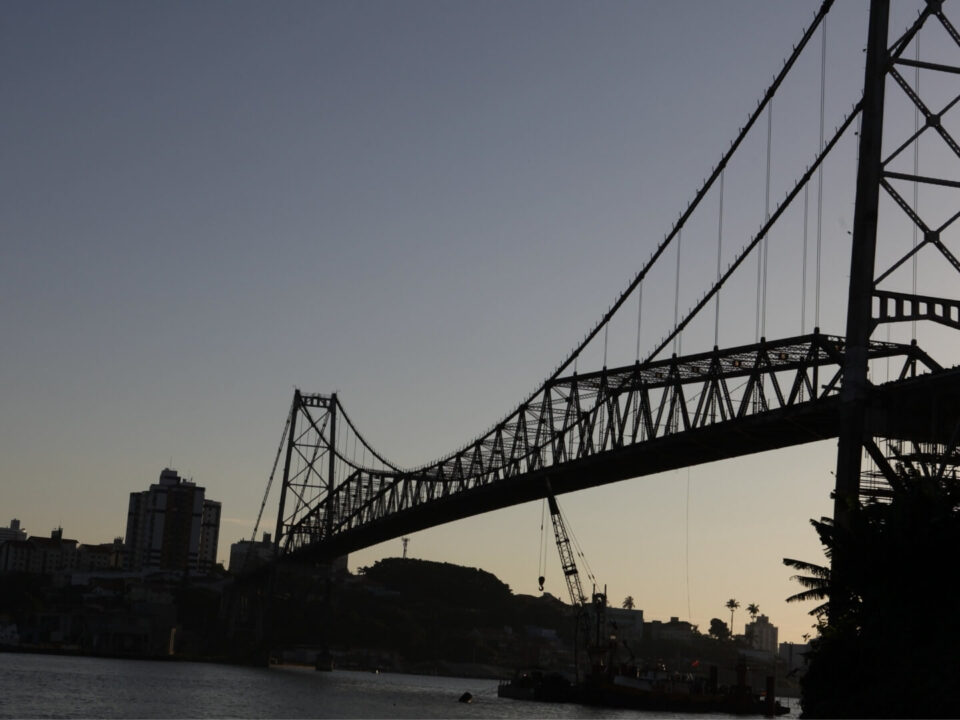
[420, 207]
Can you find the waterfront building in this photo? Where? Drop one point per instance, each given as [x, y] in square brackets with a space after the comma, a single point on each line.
[248, 555]
[677, 631]
[13, 532]
[172, 526]
[762, 634]
[793, 655]
[16, 556]
[104, 556]
[629, 623]
[38, 555]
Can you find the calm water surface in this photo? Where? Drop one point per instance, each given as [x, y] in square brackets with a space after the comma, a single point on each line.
[49, 686]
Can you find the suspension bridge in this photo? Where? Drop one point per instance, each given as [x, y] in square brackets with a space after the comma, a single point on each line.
[589, 425]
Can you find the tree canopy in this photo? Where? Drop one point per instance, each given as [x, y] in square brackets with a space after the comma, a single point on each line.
[887, 641]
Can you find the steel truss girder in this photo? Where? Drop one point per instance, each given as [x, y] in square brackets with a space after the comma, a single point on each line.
[577, 418]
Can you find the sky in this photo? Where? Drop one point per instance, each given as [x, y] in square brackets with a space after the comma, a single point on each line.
[421, 206]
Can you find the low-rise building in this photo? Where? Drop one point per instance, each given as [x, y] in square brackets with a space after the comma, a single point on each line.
[793, 655]
[104, 556]
[762, 634]
[247, 555]
[17, 556]
[14, 532]
[627, 622]
[676, 630]
[38, 555]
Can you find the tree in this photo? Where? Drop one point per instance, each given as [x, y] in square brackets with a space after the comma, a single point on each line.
[719, 629]
[886, 636]
[817, 579]
[628, 602]
[732, 605]
[754, 610]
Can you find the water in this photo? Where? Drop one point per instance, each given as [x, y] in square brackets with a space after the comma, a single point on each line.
[49, 686]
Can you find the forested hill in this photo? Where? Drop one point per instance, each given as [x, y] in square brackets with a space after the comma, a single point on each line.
[422, 611]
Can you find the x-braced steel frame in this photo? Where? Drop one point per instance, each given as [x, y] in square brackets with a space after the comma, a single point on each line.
[870, 304]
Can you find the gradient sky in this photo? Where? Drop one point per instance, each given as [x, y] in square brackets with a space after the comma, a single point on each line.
[422, 206]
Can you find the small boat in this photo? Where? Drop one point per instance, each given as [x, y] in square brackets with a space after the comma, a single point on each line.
[539, 686]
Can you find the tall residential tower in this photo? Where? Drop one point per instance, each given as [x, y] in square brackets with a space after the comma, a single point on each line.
[172, 527]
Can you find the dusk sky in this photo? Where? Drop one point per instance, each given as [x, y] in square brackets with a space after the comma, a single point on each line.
[422, 206]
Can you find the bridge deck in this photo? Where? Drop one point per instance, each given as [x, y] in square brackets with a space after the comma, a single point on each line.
[917, 409]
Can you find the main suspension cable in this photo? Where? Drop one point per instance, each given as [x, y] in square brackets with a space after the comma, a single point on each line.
[785, 203]
[701, 193]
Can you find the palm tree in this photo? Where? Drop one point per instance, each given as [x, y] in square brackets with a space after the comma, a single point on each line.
[754, 610]
[731, 606]
[628, 602]
[816, 582]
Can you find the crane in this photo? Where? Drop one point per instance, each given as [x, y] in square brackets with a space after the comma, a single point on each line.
[589, 613]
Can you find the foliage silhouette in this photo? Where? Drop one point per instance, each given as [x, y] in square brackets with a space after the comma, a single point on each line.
[887, 637]
[732, 605]
[718, 629]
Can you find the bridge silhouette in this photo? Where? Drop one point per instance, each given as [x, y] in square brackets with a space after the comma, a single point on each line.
[667, 410]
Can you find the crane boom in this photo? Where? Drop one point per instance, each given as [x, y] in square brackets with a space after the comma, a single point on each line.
[594, 612]
[567, 560]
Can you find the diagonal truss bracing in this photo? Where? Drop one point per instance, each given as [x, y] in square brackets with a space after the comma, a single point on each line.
[572, 422]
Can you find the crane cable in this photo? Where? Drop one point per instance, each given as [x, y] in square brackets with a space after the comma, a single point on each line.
[542, 547]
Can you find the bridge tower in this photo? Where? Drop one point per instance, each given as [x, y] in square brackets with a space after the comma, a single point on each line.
[854, 390]
[309, 472]
[329, 469]
[869, 302]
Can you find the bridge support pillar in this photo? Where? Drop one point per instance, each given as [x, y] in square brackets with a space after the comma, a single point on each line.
[854, 393]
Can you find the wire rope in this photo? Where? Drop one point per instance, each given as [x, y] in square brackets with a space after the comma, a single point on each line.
[803, 280]
[541, 546]
[276, 462]
[687, 544]
[716, 319]
[739, 259]
[701, 193]
[606, 332]
[823, 83]
[766, 238]
[639, 316]
[572, 357]
[676, 296]
[577, 547]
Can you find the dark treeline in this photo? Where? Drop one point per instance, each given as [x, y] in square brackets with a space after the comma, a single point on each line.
[887, 644]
